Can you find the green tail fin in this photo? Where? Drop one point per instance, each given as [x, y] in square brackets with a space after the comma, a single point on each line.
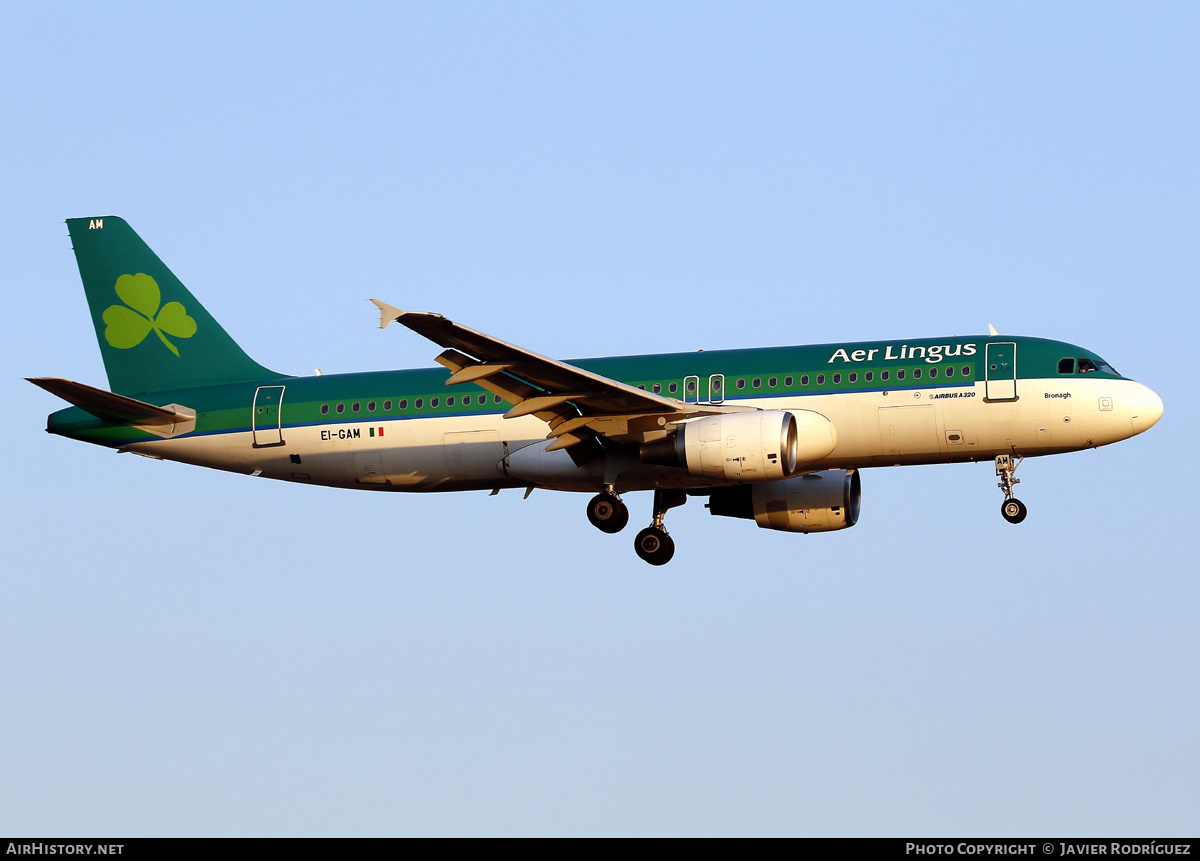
[153, 333]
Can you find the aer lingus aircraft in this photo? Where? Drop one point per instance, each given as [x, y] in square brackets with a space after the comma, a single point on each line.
[777, 435]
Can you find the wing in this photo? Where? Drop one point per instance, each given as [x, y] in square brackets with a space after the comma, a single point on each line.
[579, 406]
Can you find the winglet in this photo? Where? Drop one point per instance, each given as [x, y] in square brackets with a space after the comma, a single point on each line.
[387, 313]
[991, 328]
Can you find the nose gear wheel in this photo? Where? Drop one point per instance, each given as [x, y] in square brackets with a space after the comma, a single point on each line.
[1012, 509]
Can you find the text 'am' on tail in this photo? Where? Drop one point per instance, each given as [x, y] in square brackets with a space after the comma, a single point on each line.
[153, 333]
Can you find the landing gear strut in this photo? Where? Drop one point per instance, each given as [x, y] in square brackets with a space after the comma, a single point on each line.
[653, 544]
[607, 512]
[1013, 509]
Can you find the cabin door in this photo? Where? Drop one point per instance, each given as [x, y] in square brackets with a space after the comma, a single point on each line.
[266, 416]
[1001, 372]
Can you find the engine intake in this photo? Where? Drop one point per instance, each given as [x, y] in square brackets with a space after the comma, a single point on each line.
[817, 502]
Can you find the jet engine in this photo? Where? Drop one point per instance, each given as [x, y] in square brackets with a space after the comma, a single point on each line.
[764, 445]
[817, 502]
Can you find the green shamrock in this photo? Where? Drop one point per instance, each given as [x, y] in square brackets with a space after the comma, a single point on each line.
[128, 327]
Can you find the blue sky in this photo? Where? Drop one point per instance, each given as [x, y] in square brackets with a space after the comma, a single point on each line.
[186, 652]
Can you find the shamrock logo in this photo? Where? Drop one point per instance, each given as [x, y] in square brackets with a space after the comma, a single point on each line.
[129, 326]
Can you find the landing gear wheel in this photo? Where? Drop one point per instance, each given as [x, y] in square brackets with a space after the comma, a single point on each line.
[654, 545]
[1014, 510]
[607, 513]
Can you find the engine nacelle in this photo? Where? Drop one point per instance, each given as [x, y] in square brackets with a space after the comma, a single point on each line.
[817, 502]
[764, 445]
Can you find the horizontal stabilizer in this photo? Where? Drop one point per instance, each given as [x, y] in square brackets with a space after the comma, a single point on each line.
[166, 421]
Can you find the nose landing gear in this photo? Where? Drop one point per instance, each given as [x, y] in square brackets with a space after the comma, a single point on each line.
[1012, 509]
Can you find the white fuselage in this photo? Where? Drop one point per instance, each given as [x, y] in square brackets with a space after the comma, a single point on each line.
[878, 428]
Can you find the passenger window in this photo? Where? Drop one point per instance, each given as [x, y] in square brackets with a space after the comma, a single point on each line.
[933, 372]
[883, 375]
[773, 382]
[450, 401]
[691, 387]
[1066, 366]
[403, 404]
[387, 406]
[642, 387]
[371, 407]
[916, 373]
[324, 409]
[433, 402]
[900, 374]
[950, 371]
[341, 408]
[741, 384]
[498, 399]
[787, 381]
[757, 382]
[804, 380]
[420, 403]
[853, 377]
[1086, 366]
[673, 388]
[656, 388]
[820, 379]
[966, 370]
[868, 376]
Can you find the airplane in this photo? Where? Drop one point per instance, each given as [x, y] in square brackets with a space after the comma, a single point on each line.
[776, 435]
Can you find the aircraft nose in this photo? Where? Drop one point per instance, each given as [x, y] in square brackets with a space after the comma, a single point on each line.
[1145, 407]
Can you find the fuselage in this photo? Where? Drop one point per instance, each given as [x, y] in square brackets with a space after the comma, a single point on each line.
[918, 401]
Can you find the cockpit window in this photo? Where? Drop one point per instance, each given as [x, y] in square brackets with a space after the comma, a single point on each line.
[1089, 366]
[1086, 366]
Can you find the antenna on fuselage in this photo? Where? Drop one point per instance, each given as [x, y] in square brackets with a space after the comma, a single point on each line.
[992, 329]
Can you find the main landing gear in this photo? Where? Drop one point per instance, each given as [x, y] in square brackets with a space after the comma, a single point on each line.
[1013, 509]
[653, 544]
[609, 514]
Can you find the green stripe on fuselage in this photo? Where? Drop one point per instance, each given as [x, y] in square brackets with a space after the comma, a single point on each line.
[227, 408]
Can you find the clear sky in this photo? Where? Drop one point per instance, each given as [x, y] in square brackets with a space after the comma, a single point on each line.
[185, 652]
